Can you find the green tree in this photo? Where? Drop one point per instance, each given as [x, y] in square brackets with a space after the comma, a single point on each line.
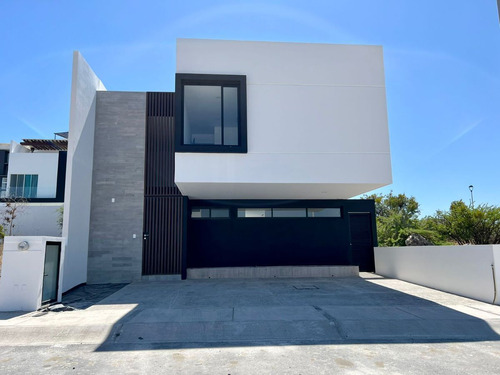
[397, 218]
[467, 225]
[13, 207]
[429, 227]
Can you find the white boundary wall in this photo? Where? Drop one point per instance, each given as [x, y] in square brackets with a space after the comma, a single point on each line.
[35, 219]
[463, 270]
[21, 283]
[78, 188]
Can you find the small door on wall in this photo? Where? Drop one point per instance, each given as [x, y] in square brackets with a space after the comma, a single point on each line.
[361, 237]
[51, 272]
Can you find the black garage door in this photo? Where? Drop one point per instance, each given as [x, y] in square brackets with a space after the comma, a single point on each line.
[225, 235]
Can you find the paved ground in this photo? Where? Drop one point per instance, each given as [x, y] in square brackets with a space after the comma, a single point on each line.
[358, 325]
[85, 296]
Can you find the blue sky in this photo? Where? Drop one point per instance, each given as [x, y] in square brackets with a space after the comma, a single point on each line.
[442, 65]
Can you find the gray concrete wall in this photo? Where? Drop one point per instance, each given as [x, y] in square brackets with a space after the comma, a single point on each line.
[296, 272]
[116, 217]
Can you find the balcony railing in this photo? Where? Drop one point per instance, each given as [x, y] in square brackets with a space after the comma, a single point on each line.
[27, 193]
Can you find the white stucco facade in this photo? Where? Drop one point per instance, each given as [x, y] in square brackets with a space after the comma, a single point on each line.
[316, 119]
[78, 187]
[42, 164]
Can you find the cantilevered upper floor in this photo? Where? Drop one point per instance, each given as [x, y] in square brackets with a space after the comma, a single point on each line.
[265, 120]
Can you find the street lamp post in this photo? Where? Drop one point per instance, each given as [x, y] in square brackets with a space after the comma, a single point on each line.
[471, 188]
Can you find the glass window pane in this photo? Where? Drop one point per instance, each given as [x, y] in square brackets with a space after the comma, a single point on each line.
[230, 116]
[219, 212]
[13, 181]
[323, 212]
[34, 186]
[254, 212]
[18, 186]
[27, 186]
[13, 185]
[3, 191]
[289, 212]
[202, 115]
[200, 213]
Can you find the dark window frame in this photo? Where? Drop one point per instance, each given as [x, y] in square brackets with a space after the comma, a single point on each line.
[17, 190]
[308, 217]
[254, 217]
[341, 213]
[201, 217]
[210, 217]
[223, 80]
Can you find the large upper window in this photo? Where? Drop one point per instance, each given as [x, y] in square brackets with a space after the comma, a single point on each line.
[210, 113]
[23, 185]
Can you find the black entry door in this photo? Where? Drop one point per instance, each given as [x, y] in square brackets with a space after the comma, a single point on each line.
[361, 237]
[51, 271]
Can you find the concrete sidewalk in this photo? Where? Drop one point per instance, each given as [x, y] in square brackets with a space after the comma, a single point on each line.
[217, 316]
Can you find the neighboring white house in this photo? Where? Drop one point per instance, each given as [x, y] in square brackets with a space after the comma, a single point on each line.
[250, 162]
[34, 170]
[32, 173]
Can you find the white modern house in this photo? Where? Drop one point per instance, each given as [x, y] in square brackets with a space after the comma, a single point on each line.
[33, 176]
[34, 170]
[250, 163]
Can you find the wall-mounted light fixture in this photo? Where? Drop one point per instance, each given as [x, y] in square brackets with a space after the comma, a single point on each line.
[23, 245]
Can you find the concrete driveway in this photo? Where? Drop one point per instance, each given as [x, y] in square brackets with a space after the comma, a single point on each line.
[364, 324]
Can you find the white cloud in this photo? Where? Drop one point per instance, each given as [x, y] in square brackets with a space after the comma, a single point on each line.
[458, 136]
[33, 127]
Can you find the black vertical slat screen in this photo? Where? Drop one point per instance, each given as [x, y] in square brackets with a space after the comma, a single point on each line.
[163, 202]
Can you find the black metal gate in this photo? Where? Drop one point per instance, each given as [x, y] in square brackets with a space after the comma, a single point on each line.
[164, 205]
